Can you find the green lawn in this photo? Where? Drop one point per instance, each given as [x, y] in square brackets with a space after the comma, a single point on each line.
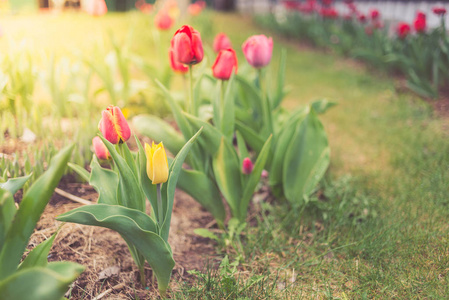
[378, 226]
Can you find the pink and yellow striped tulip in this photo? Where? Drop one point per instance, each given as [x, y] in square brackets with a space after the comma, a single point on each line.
[113, 125]
[100, 148]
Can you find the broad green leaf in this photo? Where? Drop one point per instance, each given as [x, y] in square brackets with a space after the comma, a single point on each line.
[252, 138]
[38, 256]
[280, 93]
[254, 177]
[210, 137]
[104, 181]
[7, 212]
[227, 173]
[159, 130]
[205, 191]
[138, 228]
[39, 283]
[129, 158]
[252, 96]
[306, 159]
[217, 104]
[170, 186]
[282, 143]
[80, 171]
[15, 184]
[29, 212]
[322, 105]
[241, 145]
[130, 192]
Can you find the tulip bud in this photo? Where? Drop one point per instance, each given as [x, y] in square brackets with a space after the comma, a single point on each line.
[176, 66]
[157, 164]
[100, 148]
[187, 46]
[113, 125]
[439, 11]
[163, 21]
[221, 42]
[247, 166]
[403, 29]
[420, 22]
[258, 50]
[374, 14]
[224, 64]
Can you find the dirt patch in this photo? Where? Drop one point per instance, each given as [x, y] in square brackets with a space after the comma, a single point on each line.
[104, 253]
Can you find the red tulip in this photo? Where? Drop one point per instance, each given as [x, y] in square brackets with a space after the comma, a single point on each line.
[403, 29]
[100, 148]
[375, 14]
[225, 63]
[163, 21]
[176, 66]
[258, 50]
[420, 22]
[247, 166]
[195, 9]
[187, 46]
[362, 18]
[221, 42]
[440, 11]
[113, 125]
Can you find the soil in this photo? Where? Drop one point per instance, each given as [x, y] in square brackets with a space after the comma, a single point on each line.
[105, 255]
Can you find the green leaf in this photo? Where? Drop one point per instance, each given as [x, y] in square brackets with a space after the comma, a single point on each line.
[322, 105]
[138, 228]
[210, 137]
[30, 210]
[7, 212]
[38, 283]
[203, 232]
[228, 110]
[80, 171]
[284, 139]
[241, 145]
[280, 93]
[205, 191]
[306, 159]
[38, 256]
[104, 181]
[15, 184]
[159, 130]
[130, 192]
[129, 158]
[254, 177]
[251, 137]
[227, 173]
[170, 186]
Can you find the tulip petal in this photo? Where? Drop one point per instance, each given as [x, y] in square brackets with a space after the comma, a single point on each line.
[149, 154]
[160, 165]
[107, 127]
[121, 125]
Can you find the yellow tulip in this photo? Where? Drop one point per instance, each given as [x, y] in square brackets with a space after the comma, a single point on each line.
[157, 164]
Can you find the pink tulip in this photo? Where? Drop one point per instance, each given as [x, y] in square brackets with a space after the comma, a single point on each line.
[96, 7]
[247, 166]
[113, 125]
[221, 42]
[163, 21]
[100, 148]
[225, 64]
[187, 46]
[258, 50]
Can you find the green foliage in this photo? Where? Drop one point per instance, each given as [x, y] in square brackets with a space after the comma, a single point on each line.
[34, 278]
[123, 193]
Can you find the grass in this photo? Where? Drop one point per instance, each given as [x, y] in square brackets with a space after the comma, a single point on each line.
[377, 228]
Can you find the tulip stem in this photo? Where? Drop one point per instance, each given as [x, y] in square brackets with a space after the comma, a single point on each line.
[190, 99]
[159, 204]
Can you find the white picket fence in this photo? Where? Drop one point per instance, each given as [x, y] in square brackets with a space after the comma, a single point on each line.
[390, 10]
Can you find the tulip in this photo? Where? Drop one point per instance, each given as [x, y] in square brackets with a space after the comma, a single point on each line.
[403, 29]
[176, 66]
[439, 11]
[247, 166]
[221, 42]
[375, 14]
[113, 125]
[100, 148]
[157, 164]
[362, 18]
[163, 21]
[194, 9]
[225, 63]
[420, 22]
[144, 7]
[187, 46]
[258, 50]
